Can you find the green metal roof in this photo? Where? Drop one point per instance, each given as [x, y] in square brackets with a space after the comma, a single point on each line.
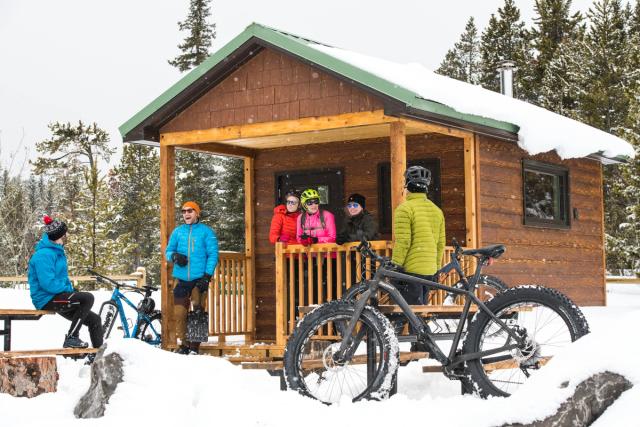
[300, 47]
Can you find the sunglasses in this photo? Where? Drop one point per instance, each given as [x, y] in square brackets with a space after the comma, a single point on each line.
[184, 211]
[292, 202]
[352, 205]
[312, 202]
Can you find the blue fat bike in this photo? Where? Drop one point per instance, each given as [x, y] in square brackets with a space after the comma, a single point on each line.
[148, 323]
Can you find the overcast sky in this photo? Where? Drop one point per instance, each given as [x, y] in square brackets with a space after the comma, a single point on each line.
[102, 61]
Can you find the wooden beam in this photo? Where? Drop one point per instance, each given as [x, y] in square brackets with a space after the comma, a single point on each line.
[470, 196]
[249, 246]
[398, 140]
[436, 128]
[280, 296]
[476, 146]
[603, 288]
[167, 223]
[283, 127]
[218, 148]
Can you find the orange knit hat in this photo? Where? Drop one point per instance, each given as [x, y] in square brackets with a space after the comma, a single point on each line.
[192, 205]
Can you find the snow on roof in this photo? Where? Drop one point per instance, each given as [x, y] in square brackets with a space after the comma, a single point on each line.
[540, 130]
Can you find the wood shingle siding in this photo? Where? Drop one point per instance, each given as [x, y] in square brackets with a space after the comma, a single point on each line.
[271, 87]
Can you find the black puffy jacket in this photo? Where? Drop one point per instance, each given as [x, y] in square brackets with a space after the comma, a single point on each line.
[364, 222]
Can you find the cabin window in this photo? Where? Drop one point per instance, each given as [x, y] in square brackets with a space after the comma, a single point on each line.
[545, 194]
[384, 189]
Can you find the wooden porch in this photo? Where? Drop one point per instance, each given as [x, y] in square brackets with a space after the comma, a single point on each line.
[232, 296]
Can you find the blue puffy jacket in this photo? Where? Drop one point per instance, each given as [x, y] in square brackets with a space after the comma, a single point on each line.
[48, 275]
[200, 244]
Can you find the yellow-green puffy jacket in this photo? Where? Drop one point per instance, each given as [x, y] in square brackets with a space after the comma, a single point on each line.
[419, 235]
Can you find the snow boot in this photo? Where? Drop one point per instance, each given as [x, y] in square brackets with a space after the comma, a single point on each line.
[73, 342]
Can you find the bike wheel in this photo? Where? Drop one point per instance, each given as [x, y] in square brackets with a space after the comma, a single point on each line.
[310, 367]
[150, 329]
[108, 315]
[546, 318]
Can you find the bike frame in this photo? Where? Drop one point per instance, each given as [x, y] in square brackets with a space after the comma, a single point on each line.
[382, 278]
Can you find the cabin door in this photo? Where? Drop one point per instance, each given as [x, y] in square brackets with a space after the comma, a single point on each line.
[328, 182]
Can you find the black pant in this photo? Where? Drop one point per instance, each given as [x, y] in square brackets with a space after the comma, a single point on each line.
[414, 295]
[76, 306]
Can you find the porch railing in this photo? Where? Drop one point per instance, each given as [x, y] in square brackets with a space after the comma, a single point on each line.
[230, 296]
[324, 272]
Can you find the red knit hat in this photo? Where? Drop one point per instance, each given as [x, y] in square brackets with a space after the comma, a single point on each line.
[54, 228]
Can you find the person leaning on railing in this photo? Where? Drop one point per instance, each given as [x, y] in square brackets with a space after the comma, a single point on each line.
[316, 225]
[358, 223]
[285, 219]
[193, 249]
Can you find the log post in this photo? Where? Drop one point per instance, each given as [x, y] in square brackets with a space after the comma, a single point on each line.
[167, 224]
[249, 247]
[28, 376]
[398, 140]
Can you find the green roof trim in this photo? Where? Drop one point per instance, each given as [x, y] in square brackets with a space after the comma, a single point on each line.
[300, 47]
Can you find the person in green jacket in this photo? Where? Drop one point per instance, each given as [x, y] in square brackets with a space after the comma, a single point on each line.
[419, 234]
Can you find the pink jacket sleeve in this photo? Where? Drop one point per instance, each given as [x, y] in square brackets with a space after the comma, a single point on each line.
[330, 229]
[299, 229]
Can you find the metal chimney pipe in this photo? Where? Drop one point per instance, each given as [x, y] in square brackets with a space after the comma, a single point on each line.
[506, 69]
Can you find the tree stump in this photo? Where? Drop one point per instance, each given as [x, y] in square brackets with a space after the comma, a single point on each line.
[28, 376]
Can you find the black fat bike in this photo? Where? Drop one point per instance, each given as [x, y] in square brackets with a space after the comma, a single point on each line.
[349, 348]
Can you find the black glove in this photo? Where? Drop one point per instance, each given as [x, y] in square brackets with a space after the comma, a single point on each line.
[179, 259]
[394, 267]
[304, 236]
[341, 240]
[203, 283]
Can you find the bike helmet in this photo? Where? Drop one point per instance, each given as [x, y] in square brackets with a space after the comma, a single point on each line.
[146, 305]
[309, 194]
[417, 179]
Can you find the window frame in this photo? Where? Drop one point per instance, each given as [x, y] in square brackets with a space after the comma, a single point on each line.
[564, 222]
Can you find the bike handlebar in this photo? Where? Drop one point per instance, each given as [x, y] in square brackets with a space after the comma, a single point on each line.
[102, 278]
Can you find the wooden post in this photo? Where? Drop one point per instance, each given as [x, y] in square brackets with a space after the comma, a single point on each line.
[167, 224]
[470, 196]
[249, 246]
[478, 179]
[280, 289]
[398, 140]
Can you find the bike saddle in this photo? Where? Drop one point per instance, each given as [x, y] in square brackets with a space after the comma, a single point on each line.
[493, 251]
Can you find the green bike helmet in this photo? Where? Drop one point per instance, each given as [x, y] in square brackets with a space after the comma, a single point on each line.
[309, 194]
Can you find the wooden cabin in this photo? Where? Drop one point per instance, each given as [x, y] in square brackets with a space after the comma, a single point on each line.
[300, 117]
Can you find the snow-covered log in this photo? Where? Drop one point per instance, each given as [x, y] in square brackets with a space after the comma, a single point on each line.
[590, 399]
[106, 374]
[28, 376]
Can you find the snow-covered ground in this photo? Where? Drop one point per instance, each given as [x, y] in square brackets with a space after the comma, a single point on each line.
[161, 388]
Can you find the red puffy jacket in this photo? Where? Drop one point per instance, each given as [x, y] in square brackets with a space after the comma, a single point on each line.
[283, 225]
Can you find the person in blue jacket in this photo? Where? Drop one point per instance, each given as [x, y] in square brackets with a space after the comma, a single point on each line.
[51, 289]
[193, 249]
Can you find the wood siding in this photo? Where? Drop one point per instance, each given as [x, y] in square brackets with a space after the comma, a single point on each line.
[271, 87]
[570, 260]
[359, 159]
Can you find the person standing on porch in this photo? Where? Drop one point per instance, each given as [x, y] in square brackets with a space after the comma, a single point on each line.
[193, 249]
[419, 234]
[285, 219]
[316, 225]
[51, 289]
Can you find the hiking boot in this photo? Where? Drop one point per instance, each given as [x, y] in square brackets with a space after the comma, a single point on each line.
[74, 342]
[90, 358]
[183, 349]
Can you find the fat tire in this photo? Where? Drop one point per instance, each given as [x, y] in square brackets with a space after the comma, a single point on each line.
[550, 298]
[108, 327]
[381, 386]
[493, 282]
[144, 324]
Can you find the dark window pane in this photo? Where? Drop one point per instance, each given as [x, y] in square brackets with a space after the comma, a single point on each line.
[546, 197]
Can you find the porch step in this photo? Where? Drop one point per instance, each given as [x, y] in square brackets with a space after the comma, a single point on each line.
[274, 365]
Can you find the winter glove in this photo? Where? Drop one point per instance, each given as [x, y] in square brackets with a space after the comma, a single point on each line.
[284, 238]
[341, 240]
[203, 283]
[308, 240]
[179, 259]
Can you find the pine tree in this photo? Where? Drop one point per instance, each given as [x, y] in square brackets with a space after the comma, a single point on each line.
[73, 151]
[463, 61]
[195, 47]
[553, 24]
[136, 190]
[506, 38]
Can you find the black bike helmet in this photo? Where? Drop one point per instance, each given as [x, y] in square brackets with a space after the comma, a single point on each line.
[146, 305]
[417, 179]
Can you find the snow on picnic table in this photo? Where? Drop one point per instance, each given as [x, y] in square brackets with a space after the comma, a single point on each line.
[162, 388]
